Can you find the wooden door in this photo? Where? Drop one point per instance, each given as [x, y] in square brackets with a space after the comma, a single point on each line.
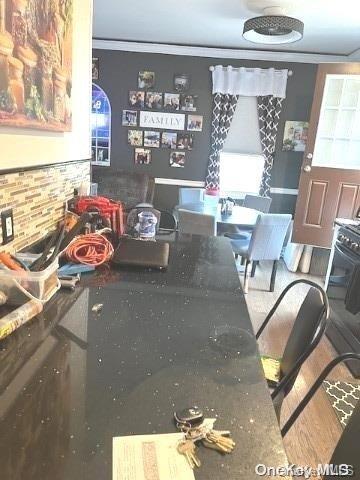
[330, 178]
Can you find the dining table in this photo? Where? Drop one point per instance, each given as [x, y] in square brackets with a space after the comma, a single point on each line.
[124, 351]
[240, 216]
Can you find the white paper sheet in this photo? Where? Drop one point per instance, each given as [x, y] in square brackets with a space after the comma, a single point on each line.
[150, 457]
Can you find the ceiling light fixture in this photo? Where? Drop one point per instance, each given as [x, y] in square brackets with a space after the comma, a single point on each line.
[274, 27]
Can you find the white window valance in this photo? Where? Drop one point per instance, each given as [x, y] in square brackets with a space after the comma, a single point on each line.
[252, 82]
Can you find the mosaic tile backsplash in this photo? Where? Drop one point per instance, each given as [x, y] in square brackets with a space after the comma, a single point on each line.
[37, 198]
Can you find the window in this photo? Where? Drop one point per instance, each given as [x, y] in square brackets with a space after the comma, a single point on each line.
[240, 174]
[242, 162]
[100, 127]
[338, 137]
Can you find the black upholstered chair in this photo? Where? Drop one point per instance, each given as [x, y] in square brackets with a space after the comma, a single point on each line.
[131, 188]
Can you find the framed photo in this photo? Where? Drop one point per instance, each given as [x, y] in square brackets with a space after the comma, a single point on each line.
[154, 100]
[177, 159]
[95, 69]
[164, 120]
[146, 79]
[181, 82]
[185, 141]
[195, 123]
[188, 102]
[129, 118]
[136, 99]
[142, 156]
[171, 102]
[152, 139]
[169, 140]
[135, 138]
[295, 136]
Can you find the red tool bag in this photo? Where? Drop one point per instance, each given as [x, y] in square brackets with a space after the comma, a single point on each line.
[110, 210]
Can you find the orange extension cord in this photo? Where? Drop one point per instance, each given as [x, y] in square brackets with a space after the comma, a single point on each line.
[91, 249]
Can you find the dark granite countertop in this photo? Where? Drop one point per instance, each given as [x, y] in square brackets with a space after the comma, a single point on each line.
[72, 379]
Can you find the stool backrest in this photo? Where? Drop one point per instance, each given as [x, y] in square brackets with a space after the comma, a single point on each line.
[303, 332]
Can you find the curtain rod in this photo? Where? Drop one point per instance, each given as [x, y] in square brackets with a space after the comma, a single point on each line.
[290, 72]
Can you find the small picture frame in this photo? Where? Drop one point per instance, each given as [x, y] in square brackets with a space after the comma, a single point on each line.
[136, 99]
[135, 138]
[169, 140]
[129, 118]
[146, 80]
[171, 102]
[142, 156]
[95, 69]
[177, 159]
[185, 141]
[295, 136]
[151, 139]
[181, 82]
[188, 102]
[154, 100]
[195, 123]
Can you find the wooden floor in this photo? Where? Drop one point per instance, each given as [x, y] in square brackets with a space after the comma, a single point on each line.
[313, 437]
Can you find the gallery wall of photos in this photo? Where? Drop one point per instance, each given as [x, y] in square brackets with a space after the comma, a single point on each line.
[162, 120]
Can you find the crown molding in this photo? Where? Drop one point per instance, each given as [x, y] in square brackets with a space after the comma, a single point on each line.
[228, 53]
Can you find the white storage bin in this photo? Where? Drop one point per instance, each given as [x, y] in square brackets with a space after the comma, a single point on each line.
[19, 286]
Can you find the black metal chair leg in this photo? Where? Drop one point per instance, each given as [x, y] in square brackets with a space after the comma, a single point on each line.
[294, 416]
[253, 268]
[273, 276]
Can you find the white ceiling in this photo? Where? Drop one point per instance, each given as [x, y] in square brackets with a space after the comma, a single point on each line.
[331, 26]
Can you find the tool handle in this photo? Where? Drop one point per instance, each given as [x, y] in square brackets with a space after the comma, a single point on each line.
[7, 260]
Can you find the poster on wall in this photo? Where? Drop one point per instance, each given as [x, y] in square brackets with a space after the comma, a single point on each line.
[36, 64]
[169, 121]
[295, 136]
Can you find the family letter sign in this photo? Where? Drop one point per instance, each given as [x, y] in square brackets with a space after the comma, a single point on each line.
[169, 121]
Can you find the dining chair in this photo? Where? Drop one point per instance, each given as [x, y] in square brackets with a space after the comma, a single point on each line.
[168, 223]
[306, 333]
[196, 223]
[191, 195]
[265, 243]
[256, 202]
[348, 440]
[262, 204]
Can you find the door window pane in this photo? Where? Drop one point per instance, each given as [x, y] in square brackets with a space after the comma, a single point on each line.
[333, 91]
[323, 152]
[327, 123]
[351, 93]
[345, 123]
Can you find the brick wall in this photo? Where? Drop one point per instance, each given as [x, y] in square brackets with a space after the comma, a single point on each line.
[37, 198]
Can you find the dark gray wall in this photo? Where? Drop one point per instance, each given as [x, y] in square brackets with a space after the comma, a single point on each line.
[118, 75]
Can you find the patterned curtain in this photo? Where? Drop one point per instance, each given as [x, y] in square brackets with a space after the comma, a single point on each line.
[223, 113]
[269, 109]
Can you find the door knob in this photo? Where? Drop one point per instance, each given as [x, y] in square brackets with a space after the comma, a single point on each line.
[309, 156]
[307, 168]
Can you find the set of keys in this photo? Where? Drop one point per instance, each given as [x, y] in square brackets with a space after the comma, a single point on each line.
[196, 429]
